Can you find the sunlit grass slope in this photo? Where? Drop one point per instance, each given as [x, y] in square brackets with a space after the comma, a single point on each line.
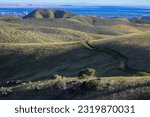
[35, 49]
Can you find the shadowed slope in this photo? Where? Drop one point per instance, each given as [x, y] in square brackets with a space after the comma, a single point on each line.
[143, 19]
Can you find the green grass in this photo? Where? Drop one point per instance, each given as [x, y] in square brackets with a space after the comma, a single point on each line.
[106, 88]
[36, 49]
[35, 55]
[29, 34]
[135, 47]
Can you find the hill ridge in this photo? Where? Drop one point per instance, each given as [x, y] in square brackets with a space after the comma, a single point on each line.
[46, 13]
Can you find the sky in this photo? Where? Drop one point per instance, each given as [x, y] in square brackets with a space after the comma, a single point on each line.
[72, 2]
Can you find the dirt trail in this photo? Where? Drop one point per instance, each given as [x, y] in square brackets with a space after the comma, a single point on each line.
[122, 59]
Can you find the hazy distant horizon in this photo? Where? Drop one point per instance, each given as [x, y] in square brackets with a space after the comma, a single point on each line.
[98, 11]
[4, 5]
[76, 2]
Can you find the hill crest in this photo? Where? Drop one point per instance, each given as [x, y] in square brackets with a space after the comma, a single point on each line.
[46, 13]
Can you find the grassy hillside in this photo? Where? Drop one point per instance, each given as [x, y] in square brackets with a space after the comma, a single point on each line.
[45, 13]
[41, 60]
[136, 47]
[36, 49]
[71, 24]
[133, 88]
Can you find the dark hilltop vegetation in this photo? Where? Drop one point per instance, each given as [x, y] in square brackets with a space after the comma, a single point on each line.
[54, 54]
[45, 13]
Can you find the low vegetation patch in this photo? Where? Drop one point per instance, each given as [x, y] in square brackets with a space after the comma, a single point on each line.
[86, 73]
[68, 88]
[5, 91]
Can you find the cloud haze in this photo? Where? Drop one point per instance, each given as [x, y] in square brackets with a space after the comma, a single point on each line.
[99, 2]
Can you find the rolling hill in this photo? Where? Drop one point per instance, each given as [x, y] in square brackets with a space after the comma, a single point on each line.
[46, 43]
[143, 19]
[45, 13]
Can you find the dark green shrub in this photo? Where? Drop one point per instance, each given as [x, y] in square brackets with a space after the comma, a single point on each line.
[60, 84]
[93, 85]
[56, 76]
[5, 91]
[37, 88]
[86, 73]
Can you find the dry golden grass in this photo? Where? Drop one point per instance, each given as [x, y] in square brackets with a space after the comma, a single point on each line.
[36, 49]
[106, 88]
